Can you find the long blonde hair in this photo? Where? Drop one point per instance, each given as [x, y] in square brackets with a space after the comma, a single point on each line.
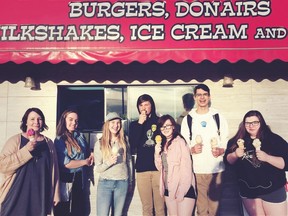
[105, 141]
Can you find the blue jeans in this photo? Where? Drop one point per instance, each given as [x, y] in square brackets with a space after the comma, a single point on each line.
[109, 191]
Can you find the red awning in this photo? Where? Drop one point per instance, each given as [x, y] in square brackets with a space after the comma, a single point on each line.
[126, 31]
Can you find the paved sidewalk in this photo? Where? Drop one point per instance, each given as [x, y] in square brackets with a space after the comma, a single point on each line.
[230, 203]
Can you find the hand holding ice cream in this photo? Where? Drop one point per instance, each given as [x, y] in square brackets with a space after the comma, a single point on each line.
[257, 144]
[31, 134]
[114, 150]
[240, 143]
[142, 117]
[197, 148]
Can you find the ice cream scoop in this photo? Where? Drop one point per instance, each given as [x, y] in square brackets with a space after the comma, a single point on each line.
[158, 139]
[198, 139]
[114, 150]
[31, 134]
[240, 143]
[257, 144]
[214, 142]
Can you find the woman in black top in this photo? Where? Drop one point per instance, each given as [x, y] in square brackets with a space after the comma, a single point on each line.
[260, 158]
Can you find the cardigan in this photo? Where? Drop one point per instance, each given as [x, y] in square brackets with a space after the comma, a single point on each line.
[180, 174]
[12, 158]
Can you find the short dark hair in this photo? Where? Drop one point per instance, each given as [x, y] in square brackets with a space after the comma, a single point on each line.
[23, 125]
[202, 86]
[146, 97]
[188, 101]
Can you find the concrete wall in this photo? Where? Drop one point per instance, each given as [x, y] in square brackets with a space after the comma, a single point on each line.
[271, 98]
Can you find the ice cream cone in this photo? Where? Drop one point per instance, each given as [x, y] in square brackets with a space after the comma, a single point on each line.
[31, 134]
[114, 150]
[240, 143]
[198, 139]
[214, 142]
[257, 144]
[158, 139]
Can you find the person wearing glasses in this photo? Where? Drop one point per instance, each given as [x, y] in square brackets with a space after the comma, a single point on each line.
[142, 134]
[207, 136]
[260, 159]
[173, 160]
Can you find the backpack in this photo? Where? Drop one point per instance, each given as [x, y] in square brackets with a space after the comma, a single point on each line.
[189, 122]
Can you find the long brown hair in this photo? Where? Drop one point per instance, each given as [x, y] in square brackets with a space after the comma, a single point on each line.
[62, 131]
[242, 132]
[175, 133]
[105, 141]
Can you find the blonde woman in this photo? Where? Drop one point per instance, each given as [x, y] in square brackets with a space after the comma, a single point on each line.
[113, 162]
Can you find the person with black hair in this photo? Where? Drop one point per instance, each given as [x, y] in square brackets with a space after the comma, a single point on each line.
[188, 104]
[142, 139]
[260, 159]
[28, 162]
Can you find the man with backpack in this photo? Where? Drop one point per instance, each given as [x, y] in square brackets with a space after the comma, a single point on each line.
[206, 132]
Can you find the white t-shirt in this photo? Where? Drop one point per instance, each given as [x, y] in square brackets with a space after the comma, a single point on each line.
[205, 126]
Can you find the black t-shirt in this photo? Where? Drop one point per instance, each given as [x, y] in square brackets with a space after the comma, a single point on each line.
[256, 177]
[142, 141]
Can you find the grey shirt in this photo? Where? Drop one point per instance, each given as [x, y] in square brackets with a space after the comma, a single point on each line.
[122, 170]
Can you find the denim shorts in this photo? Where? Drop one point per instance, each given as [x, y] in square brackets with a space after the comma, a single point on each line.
[190, 194]
[277, 196]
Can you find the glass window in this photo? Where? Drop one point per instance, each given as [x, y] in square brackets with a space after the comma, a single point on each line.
[88, 100]
[116, 101]
[168, 99]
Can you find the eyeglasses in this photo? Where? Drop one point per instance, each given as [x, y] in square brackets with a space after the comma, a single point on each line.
[202, 95]
[165, 127]
[254, 123]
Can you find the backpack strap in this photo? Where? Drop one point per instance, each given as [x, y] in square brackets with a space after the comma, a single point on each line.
[189, 122]
[217, 120]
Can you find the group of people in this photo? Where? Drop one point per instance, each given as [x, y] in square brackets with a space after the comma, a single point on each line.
[188, 165]
[40, 175]
[178, 168]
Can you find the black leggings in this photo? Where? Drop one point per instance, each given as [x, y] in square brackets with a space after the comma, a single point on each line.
[78, 207]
